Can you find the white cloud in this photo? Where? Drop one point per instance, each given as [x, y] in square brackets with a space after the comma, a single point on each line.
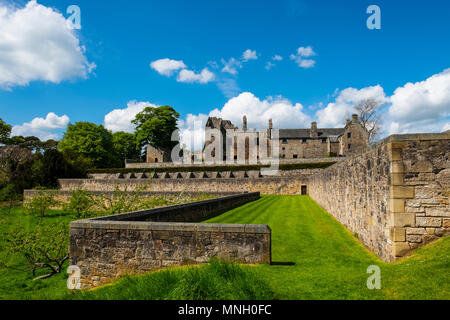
[37, 43]
[302, 53]
[167, 66]
[120, 119]
[421, 105]
[204, 76]
[229, 87]
[446, 127]
[42, 128]
[335, 113]
[284, 113]
[305, 52]
[269, 65]
[231, 66]
[249, 55]
[277, 57]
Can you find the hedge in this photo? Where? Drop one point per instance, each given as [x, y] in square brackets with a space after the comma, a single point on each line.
[283, 167]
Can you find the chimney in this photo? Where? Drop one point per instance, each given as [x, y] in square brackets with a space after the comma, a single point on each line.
[347, 122]
[270, 124]
[244, 123]
[314, 130]
[354, 118]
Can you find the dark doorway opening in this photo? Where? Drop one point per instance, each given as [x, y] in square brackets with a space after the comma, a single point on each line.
[304, 190]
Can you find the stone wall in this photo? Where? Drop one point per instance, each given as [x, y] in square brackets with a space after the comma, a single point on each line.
[266, 185]
[394, 195]
[64, 195]
[105, 249]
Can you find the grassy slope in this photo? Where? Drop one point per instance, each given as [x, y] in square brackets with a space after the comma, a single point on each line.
[329, 264]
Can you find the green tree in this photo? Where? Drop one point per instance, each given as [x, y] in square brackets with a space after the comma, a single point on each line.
[90, 141]
[155, 125]
[5, 131]
[45, 247]
[81, 201]
[125, 147]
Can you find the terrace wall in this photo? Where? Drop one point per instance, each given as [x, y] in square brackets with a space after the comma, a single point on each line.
[109, 247]
[395, 196]
[266, 185]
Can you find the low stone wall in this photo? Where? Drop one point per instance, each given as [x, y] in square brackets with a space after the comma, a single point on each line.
[64, 195]
[109, 247]
[395, 196]
[266, 185]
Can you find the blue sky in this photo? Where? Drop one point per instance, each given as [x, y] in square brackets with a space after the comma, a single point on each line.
[119, 40]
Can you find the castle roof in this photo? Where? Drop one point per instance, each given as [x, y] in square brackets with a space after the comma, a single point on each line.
[306, 133]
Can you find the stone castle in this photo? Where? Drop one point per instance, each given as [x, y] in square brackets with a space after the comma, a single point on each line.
[226, 142]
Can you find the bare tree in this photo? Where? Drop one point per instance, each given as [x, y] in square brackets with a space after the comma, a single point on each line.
[370, 118]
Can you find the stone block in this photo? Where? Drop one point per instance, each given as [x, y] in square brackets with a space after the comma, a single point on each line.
[402, 192]
[446, 223]
[428, 222]
[397, 179]
[437, 212]
[415, 231]
[397, 167]
[421, 166]
[396, 205]
[398, 234]
[400, 249]
[403, 219]
[414, 238]
[396, 154]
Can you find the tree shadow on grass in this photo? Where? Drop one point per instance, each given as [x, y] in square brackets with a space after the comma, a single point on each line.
[282, 263]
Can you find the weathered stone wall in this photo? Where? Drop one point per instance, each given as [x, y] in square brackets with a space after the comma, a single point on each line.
[64, 195]
[265, 185]
[105, 249]
[356, 192]
[395, 196]
[420, 191]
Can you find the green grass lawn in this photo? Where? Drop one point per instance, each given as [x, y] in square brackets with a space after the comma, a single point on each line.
[315, 258]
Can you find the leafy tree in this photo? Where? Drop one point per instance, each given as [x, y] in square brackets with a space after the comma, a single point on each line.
[9, 193]
[121, 200]
[125, 147]
[81, 201]
[45, 247]
[89, 140]
[5, 131]
[155, 125]
[12, 163]
[40, 203]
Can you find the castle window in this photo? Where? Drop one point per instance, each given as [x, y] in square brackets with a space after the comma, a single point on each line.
[156, 159]
[295, 156]
[235, 157]
[283, 148]
[304, 140]
[349, 135]
[257, 141]
[284, 141]
[324, 140]
[349, 146]
[283, 156]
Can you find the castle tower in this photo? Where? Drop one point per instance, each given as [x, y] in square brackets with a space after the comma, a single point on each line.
[314, 130]
[355, 118]
[244, 123]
